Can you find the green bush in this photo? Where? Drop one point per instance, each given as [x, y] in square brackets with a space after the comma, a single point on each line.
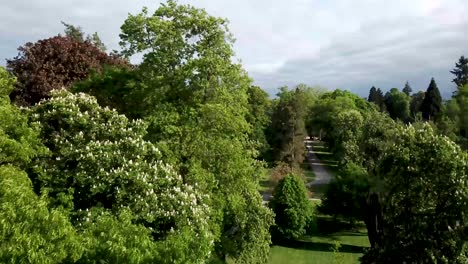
[292, 208]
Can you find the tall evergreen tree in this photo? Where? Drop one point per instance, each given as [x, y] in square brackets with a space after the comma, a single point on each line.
[461, 72]
[372, 95]
[431, 106]
[407, 89]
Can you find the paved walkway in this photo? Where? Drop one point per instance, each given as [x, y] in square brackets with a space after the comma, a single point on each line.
[322, 175]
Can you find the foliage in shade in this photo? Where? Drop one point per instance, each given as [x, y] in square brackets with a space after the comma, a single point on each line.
[376, 96]
[347, 194]
[431, 106]
[54, 63]
[293, 210]
[415, 104]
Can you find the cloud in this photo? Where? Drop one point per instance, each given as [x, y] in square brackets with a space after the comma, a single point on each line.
[336, 43]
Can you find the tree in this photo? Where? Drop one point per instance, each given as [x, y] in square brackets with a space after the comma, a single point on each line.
[431, 106]
[100, 166]
[19, 141]
[461, 72]
[54, 63]
[31, 232]
[420, 196]
[407, 89]
[76, 33]
[376, 97]
[197, 107]
[415, 104]
[346, 195]
[293, 210]
[287, 129]
[398, 105]
[259, 116]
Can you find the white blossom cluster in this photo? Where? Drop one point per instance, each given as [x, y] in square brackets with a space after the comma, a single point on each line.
[102, 157]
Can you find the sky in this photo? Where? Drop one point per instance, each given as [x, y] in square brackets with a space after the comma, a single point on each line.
[346, 44]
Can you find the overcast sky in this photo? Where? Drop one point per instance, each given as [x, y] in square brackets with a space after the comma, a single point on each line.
[347, 44]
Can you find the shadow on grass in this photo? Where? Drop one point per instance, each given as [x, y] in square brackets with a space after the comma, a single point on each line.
[320, 246]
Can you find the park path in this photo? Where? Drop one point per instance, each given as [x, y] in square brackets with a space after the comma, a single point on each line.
[322, 175]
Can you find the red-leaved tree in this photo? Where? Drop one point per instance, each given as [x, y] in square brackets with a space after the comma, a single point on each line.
[54, 63]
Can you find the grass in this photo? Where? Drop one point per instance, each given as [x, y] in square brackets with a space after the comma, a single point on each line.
[318, 248]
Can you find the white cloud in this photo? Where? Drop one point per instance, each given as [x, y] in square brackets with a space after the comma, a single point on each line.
[337, 43]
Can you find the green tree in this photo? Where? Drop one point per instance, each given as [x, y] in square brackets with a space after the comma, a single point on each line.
[259, 116]
[100, 164]
[195, 100]
[420, 196]
[407, 89]
[19, 142]
[415, 104]
[31, 232]
[376, 97]
[293, 210]
[461, 72]
[346, 195]
[398, 105]
[287, 130]
[431, 106]
[76, 33]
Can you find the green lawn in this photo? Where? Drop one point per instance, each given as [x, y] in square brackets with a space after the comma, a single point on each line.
[318, 249]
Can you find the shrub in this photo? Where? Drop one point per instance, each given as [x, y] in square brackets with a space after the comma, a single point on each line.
[292, 207]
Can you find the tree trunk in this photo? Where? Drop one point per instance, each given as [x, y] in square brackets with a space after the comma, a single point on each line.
[374, 220]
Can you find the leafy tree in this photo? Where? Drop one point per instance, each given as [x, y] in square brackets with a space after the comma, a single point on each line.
[346, 195]
[376, 97]
[398, 105]
[54, 63]
[407, 89]
[259, 116]
[415, 104]
[197, 102]
[461, 72]
[411, 205]
[431, 106]
[293, 210]
[29, 231]
[101, 165]
[76, 33]
[288, 127]
[19, 142]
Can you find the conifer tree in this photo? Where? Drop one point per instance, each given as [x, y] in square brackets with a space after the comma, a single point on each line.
[431, 107]
[407, 89]
[461, 72]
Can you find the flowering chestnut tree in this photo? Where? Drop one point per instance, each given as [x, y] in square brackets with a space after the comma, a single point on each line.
[100, 167]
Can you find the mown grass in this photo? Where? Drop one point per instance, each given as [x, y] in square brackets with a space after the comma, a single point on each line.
[318, 247]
